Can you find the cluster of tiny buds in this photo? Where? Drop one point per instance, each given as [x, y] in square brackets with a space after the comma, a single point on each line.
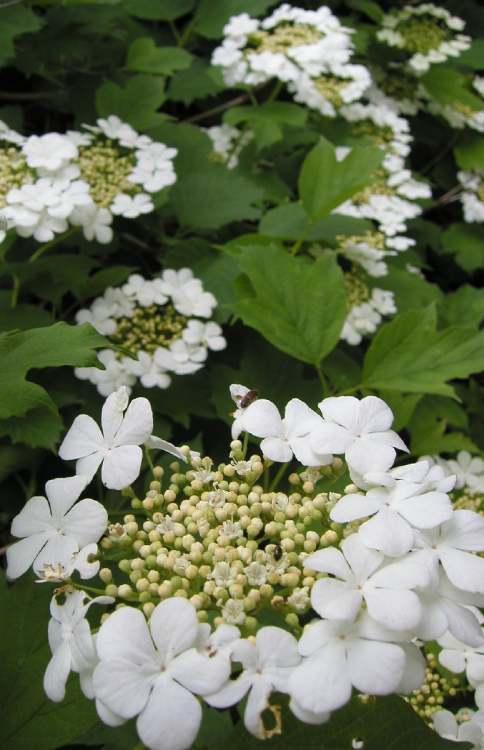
[470, 501]
[223, 540]
[434, 691]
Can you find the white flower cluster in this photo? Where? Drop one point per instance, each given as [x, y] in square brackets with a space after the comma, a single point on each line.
[467, 469]
[472, 196]
[427, 32]
[228, 142]
[364, 318]
[460, 114]
[390, 199]
[405, 572]
[158, 322]
[309, 50]
[53, 181]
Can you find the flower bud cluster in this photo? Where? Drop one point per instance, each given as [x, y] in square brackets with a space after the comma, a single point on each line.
[435, 692]
[162, 322]
[366, 308]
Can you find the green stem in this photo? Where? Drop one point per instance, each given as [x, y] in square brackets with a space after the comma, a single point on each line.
[15, 290]
[47, 246]
[245, 444]
[276, 91]
[82, 587]
[348, 391]
[322, 379]
[219, 108]
[184, 37]
[297, 245]
[148, 459]
[174, 31]
[277, 478]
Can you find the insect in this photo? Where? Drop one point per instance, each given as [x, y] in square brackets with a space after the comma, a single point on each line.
[277, 552]
[249, 398]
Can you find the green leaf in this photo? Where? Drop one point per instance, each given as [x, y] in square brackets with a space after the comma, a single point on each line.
[448, 87]
[463, 307]
[368, 8]
[325, 182]
[212, 15]
[99, 281]
[53, 346]
[297, 305]
[410, 289]
[214, 197]
[15, 21]
[469, 152]
[39, 428]
[29, 718]
[145, 57]
[467, 242]
[267, 120]
[21, 316]
[382, 724]
[410, 355]
[290, 221]
[429, 424]
[474, 56]
[158, 10]
[199, 81]
[137, 102]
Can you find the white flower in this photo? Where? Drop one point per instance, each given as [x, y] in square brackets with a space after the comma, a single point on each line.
[117, 446]
[445, 724]
[95, 223]
[453, 543]
[146, 292]
[460, 657]
[340, 656]
[208, 335]
[359, 429]
[70, 641]
[286, 437]
[267, 666]
[49, 152]
[146, 368]
[131, 206]
[469, 471]
[116, 129]
[395, 512]
[242, 398]
[361, 575]
[152, 671]
[55, 525]
[187, 293]
[59, 565]
[114, 376]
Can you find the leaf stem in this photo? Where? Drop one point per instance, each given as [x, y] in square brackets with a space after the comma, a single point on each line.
[174, 31]
[348, 391]
[322, 379]
[276, 91]
[219, 108]
[47, 246]
[15, 290]
[278, 476]
[185, 35]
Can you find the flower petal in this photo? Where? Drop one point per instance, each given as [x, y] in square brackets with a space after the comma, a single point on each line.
[426, 511]
[329, 560]
[57, 672]
[363, 456]
[445, 724]
[374, 415]
[354, 506]
[387, 532]
[198, 673]
[171, 718]
[342, 410]
[112, 414]
[374, 667]
[86, 521]
[276, 647]
[257, 702]
[123, 686]
[59, 549]
[308, 717]
[299, 419]
[62, 494]
[397, 610]
[305, 454]
[22, 554]
[34, 518]
[318, 695]
[330, 438]
[90, 464]
[157, 443]
[276, 449]
[137, 424]
[232, 692]
[121, 466]
[125, 635]
[174, 627]
[335, 600]
[262, 419]
[363, 561]
[465, 531]
[464, 570]
[83, 438]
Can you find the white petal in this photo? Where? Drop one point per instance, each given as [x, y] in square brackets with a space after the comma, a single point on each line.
[462, 623]
[107, 716]
[334, 600]
[83, 654]
[343, 410]
[387, 532]
[90, 464]
[157, 443]
[305, 453]
[276, 449]
[374, 415]
[174, 626]
[276, 647]
[329, 560]
[171, 719]
[257, 702]
[198, 673]
[121, 466]
[299, 419]
[137, 424]
[318, 695]
[125, 635]
[112, 414]
[62, 494]
[452, 660]
[22, 554]
[262, 419]
[307, 716]
[34, 518]
[364, 456]
[330, 438]
[123, 686]
[83, 438]
[375, 668]
[414, 673]
[57, 672]
[466, 531]
[445, 723]
[232, 692]
[352, 507]
[426, 511]
[363, 561]
[59, 549]
[397, 610]
[86, 522]
[466, 571]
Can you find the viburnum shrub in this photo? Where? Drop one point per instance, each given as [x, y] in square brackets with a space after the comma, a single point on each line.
[241, 395]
